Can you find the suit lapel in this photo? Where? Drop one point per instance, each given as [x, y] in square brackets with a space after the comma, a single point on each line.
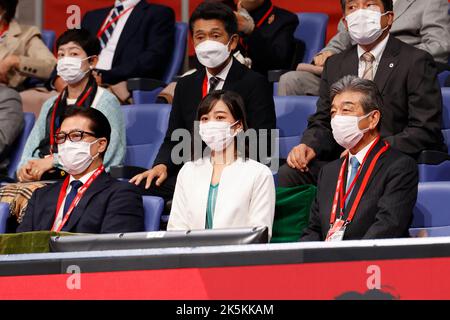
[234, 75]
[133, 23]
[49, 203]
[98, 185]
[357, 186]
[351, 63]
[388, 63]
[401, 6]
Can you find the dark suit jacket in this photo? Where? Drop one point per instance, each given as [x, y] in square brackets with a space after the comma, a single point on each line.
[412, 114]
[145, 45]
[272, 45]
[385, 210]
[108, 206]
[253, 88]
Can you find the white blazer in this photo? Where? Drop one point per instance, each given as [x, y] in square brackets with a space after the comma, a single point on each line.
[245, 198]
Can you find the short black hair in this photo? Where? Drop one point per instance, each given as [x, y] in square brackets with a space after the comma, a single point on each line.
[10, 7]
[388, 5]
[82, 37]
[99, 125]
[210, 10]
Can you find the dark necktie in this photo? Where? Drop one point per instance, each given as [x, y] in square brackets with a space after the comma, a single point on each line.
[354, 163]
[76, 184]
[213, 83]
[107, 34]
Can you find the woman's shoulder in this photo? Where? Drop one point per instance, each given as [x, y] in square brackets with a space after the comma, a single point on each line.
[104, 99]
[255, 167]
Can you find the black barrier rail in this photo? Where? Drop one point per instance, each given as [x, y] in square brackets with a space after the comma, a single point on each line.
[220, 256]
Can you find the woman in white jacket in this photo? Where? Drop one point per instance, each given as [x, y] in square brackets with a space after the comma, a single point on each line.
[223, 189]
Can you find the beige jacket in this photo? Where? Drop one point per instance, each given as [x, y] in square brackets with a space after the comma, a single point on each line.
[35, 58]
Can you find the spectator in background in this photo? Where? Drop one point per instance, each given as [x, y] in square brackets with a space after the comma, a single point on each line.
[422, 24]
[22, 52]
[11, 124]
[241, 191]
[105, 204]
[77, 56]
[387, 202]
[267, 34]
[406, 78]
[137, 40]
[214, 29]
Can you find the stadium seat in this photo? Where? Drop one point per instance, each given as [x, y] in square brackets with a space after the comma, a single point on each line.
[4, 213]
[442, 77]
[435, 166]
[146, 127]
[49, 37]
[146, 90]
[430, 216]
[292, 119]
[19, 145]
[153, 207]
[312, 31]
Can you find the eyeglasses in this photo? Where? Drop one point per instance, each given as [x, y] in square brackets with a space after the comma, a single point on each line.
[74, 136]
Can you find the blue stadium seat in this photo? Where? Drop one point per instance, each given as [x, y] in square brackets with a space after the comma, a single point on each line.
[49, 37]
[292, 119]
[146, 127]
[4, 213]
[439, 171]
[19, 145]
[153, 207]
[442, 77]
[142, 96]
[430, 217]
[312, 31]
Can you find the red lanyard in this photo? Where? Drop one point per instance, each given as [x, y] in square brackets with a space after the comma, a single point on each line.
[3, 30]
[76, 200]
[339, 194]
[55, 107]
[205, 87]
[102, 30]
[264, 18]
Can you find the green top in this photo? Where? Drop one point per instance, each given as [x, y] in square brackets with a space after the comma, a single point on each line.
[212, 196]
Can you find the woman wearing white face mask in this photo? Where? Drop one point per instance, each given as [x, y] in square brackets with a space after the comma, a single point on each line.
[77, 56]
[224, 189]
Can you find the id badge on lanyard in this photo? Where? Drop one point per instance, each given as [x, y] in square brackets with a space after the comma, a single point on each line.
[337, 230]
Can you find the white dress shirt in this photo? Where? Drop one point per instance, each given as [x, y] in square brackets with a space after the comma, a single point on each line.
[83, 180]
[377, 52]
[222, 76]
[359, 156]
[106, 56]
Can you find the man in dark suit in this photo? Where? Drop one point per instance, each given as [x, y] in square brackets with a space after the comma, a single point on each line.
[89, 200]
[137, 39]
[268, 34]
[371, 192]
[406, 78]
[214, 30]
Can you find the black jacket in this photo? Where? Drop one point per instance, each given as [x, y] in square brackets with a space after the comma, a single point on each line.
[411, 118]
[272, 45]
[253, 88]
[145, 45]
[108, 206]
[385, 209]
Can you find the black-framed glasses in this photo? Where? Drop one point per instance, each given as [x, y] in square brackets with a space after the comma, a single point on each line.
[74, 136]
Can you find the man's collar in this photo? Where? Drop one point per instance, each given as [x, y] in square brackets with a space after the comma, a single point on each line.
[127, 3]
[84, 178]
[362, 153]
[377, 52]
[222, 75]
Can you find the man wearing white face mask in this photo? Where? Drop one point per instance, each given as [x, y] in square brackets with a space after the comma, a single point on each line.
[214, 30]
[405, 76]
[371, 192]
[88, 200]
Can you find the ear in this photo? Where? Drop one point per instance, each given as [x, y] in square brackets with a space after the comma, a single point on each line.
[102, 143]
[390, 16]
[93, 61]
[374, 119]
[234, 41]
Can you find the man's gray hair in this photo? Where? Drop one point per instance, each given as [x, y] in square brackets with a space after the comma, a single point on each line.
[371, 99]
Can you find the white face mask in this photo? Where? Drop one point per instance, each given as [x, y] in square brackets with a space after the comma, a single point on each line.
[217, 134]
[69, 69]
[364, 26]
[75, 157]
[346, 130]
[211, 53]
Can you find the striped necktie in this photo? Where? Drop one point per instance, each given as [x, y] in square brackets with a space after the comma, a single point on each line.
[107, 34]
[368, 59]
[213, 83]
